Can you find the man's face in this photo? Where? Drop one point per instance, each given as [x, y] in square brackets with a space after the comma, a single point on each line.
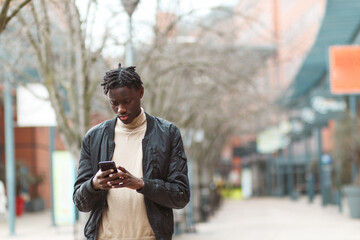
[126, 103]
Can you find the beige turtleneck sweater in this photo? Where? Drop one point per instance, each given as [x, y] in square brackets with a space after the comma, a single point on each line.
[125, 217]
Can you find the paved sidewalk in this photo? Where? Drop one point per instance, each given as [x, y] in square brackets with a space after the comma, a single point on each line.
[36, 226]
[276, 219]
[254, 219]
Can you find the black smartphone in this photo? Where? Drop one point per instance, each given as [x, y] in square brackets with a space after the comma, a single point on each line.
[106, 165]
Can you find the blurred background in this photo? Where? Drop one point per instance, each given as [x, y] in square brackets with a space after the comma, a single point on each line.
[265, 93]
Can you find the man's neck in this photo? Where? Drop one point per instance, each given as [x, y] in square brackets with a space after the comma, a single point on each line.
[138, 121]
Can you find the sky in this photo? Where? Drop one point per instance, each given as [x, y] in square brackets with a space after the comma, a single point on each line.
[145, 12]
[143, 17]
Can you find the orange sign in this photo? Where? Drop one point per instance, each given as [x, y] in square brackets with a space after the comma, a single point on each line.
[344, 69]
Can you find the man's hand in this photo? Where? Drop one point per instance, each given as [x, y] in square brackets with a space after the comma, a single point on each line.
[102, 180]
[126, 179]
[108, 179]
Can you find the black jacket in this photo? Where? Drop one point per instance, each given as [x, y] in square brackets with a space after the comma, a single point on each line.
[164, 169]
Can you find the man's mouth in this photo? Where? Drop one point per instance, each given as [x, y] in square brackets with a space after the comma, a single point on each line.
[123, 118]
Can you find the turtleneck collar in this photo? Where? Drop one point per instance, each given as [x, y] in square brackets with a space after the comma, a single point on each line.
[138, 121]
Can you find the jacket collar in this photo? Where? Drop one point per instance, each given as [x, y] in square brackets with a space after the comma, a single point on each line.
[149, 124]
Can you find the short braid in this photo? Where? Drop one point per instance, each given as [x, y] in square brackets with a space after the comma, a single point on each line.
[121, 77]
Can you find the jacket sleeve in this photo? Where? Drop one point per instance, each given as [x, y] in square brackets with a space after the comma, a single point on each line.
[84, 196]
[174, 192]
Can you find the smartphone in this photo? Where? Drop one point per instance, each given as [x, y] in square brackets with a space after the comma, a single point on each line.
[106, 165]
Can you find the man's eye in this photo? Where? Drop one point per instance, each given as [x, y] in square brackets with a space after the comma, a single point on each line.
[113, 103]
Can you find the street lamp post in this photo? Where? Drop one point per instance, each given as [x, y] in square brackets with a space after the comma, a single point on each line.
[129, 6]
[10, 155]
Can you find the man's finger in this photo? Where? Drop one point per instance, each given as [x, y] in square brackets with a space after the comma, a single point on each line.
[123, 169]
[107, 172]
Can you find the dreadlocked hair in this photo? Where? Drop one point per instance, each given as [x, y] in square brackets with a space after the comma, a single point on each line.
[121, 77]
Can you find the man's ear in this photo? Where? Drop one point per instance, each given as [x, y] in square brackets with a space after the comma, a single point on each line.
[141, 92]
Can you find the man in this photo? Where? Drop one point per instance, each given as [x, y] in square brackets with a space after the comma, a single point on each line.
[137, 201]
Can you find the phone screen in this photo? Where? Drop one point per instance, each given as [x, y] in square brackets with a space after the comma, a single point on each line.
[106, 165]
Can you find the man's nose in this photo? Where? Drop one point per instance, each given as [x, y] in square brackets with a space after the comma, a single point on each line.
[121, 109]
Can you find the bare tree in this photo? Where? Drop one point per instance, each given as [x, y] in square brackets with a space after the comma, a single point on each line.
[5, 16]
[62, 58]
[65, 62]
[203, 84]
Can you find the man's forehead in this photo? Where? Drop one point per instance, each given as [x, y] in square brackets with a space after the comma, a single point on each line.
[121, 92]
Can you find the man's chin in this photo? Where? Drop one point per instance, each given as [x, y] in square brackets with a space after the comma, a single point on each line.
[126, 120]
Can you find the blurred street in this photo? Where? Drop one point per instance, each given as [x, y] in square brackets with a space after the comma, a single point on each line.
[279, 83]
[276, 219]
[258, 218]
